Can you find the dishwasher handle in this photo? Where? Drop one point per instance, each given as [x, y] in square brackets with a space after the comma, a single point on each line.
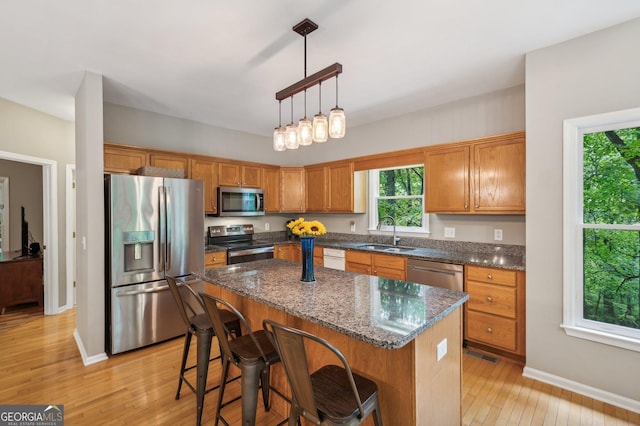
[437, 271]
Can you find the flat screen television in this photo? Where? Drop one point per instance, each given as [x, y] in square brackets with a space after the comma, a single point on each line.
[25, 234]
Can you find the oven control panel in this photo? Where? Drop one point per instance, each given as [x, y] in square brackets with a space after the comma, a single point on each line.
[225, 230]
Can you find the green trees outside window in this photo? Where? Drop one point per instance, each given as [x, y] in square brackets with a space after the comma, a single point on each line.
[400, 195]
[611, 202]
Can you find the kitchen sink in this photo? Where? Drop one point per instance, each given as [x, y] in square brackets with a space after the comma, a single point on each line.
[385, 248]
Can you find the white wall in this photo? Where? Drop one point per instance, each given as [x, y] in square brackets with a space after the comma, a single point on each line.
[480, 116]
[31, 133]
[589, 75]
[90, 293]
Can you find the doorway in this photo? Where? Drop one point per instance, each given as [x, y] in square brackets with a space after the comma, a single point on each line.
[50, 225]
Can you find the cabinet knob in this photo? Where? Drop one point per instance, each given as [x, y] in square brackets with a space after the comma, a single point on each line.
[489, 330]
[489, 299]
[466, 206]
[489, 276]
[477, 205]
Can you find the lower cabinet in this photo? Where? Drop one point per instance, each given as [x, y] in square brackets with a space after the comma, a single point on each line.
[291, 252]
[215, 259]
[495, 312]
[381, 265]
[318, 256]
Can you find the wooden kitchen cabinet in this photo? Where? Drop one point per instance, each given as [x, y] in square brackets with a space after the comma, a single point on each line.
[495, 312]
[170, 161]
[238, 174]
[318, 255]
[484, 176]
[335, 188]
[122, 159]
[316, 189]
[207, 171]
[292, 184]
[215, 259]
[446, 177]
[292, 252]
[271, 187]
[381, 265]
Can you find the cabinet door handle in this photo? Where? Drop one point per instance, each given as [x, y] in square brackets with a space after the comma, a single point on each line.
[466, 206]
[489, 276]
[489, 299]
[477, 205]
[489, 330]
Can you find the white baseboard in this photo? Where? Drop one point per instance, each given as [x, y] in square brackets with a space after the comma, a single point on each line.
[582, 389]
[87, 360]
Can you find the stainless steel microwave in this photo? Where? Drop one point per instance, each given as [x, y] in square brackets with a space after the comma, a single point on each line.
[234, 201]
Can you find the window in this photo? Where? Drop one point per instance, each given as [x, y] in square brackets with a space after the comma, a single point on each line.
[602, 228]
[399, 193]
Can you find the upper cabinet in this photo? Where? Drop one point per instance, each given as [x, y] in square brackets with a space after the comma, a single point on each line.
[122, 159]
[170, 161]
[484, 176]
[335, 188]
[207, 171]
[292, 195]
[238, 174]
[271, 187]
[316, 189]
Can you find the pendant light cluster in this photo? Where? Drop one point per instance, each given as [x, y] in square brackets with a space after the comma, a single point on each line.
[305, 132]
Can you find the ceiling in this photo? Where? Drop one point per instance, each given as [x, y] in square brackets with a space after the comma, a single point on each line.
[221, 62]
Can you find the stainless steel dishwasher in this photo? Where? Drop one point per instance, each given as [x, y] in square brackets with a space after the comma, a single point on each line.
[437, 274]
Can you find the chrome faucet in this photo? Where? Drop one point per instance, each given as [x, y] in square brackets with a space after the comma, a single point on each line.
[393, 222]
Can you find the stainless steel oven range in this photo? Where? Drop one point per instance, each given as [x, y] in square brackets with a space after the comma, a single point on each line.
[239, 242]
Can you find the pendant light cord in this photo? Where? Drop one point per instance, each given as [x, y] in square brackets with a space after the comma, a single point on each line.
[336, 91]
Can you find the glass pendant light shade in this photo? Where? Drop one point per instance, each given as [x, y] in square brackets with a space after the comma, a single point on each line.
[305, 130]
[291, 140]
[320, 130]
[337, 123]
[278, 139]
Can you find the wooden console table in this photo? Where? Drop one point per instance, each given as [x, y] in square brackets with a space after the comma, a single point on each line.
[20, 280]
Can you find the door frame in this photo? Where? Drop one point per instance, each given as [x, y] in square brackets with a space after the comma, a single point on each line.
[70, 212]
[49, 225]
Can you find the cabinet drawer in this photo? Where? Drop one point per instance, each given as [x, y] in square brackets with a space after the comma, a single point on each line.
[359, 268]
[492, 275]
[395, 274]
[215, 259]
[492, 299]
[358, 257]
[389, 262]
[492, 330]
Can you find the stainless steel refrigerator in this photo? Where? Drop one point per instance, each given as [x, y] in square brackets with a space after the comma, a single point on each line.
[154, 228]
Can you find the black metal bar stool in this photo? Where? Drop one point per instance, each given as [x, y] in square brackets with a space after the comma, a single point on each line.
[332, 395]
[252, 353]
[198, 324]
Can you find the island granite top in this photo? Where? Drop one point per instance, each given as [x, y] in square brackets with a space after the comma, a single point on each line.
[383, 312]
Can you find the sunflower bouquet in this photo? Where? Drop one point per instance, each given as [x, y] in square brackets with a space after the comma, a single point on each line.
[303, 228]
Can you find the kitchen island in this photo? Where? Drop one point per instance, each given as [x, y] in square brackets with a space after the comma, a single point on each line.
[389, 330]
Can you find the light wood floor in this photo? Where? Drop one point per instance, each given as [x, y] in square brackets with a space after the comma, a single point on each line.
[40, 364]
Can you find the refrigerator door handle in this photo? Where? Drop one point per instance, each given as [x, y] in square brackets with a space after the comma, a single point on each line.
[162, 228]
[169, 225]
[146, 291]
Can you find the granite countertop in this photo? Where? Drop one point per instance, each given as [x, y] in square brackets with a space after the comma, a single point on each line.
[380, 311]
[494, 256]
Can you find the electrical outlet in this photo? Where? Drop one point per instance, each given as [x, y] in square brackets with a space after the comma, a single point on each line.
[267, 226]
[449, 232]
[497, 234]
[353, 226]
[441, 349]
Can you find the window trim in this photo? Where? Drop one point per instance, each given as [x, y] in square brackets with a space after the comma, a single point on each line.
[374, 181]
[574, 323]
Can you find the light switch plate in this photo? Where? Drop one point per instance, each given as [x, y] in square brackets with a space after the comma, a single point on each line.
[449, 232]
[267, 226]
[497, 234]
[441, 349]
